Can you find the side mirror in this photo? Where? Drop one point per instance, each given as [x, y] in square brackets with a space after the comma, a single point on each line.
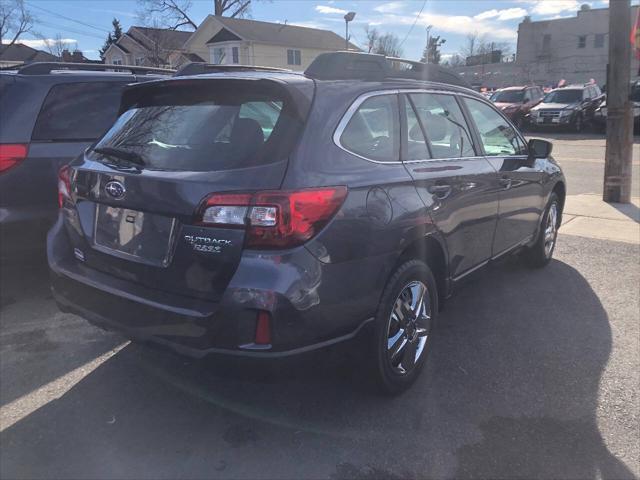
[539, 148]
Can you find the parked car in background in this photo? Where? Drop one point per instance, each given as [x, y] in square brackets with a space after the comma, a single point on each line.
[570, 107]
[50, 113]
[600, 116]
[516, 102]
[264, 213]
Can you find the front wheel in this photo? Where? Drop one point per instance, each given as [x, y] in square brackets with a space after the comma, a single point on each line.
[578, 124]
[541, 252]
[404, 325]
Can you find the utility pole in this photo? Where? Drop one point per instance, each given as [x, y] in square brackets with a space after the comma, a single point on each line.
[429, 27]
[617, 166]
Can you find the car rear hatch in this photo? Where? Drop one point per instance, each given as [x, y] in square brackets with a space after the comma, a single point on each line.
[134, 203]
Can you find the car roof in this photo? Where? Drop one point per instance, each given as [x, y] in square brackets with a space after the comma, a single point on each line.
[292, 78]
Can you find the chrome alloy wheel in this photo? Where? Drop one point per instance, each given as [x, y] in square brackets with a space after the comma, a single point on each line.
[551, 229]
[409, 327]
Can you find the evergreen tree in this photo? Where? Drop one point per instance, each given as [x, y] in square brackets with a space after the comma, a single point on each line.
[112, 37]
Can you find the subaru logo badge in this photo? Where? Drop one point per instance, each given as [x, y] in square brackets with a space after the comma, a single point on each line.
[115, 189]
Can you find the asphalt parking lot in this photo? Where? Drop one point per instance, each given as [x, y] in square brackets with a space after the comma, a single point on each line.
[535, 374]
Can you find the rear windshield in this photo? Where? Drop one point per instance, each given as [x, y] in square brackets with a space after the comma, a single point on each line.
[563, 96]
[205, 129]
[508, 96]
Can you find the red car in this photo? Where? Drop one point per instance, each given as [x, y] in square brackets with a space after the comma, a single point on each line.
[515, 102]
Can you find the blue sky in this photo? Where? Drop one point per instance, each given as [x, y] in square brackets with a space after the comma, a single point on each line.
[86, 22]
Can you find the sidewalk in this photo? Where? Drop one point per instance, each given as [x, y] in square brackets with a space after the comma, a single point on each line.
[587, 215]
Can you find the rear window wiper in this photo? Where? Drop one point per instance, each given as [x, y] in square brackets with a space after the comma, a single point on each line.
[122, 154]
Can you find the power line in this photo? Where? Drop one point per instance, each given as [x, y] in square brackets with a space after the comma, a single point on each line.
[414, 23]
[84, 24]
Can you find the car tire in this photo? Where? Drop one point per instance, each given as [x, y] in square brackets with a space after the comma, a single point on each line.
[541, 252]
[403, 330]
[578, 123]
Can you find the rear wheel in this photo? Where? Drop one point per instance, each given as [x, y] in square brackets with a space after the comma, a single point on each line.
[541, 252]
[404, 324]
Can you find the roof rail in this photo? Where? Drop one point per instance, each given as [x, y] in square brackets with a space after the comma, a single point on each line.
[373, 67]
[43, 68]
[199, 68]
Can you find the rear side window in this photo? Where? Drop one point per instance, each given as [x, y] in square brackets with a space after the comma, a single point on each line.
[445, 127]
[78, 111]
[497, 135]
[373, 131]
[204, 128]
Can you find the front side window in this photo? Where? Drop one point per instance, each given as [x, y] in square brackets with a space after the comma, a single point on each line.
[444, 125]
[294, 57]
[373, 131]
[496, 134]
[78, 111]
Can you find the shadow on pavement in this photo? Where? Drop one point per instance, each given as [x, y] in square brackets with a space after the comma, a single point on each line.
[510, 392]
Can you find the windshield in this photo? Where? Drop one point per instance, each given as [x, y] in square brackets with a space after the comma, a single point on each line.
[563, 96]
[202, 133]
[508, 96]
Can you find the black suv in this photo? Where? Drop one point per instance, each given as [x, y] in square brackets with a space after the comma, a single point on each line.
[50, 112]
[267, 213]
[567, 107]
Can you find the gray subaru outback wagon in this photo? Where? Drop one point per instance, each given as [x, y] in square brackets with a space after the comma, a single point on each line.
[255, 212]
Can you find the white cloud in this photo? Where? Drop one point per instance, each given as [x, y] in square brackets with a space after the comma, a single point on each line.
[460, 24]
[309, 24]
[329, 10]
[505, 14]
[553, 7]
[45, 42]
[391, 7]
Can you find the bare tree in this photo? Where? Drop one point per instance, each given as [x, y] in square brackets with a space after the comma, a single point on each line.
[232, 8]
[171, 14]
[475, 44]
[454, 61]
[15, 21]
[389, 45]
[55, 46]
[372, 38]
[174, 14]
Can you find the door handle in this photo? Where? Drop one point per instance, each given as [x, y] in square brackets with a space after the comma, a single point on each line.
[506, 182]
[440, 191]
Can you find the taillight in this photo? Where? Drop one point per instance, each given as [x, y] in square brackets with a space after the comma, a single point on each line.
[11, 154]
[64, 185]
[274, 219]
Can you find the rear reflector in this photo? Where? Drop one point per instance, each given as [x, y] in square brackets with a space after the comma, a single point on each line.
[263, 329]
[64, 185]
[274, 219]
[11, 154]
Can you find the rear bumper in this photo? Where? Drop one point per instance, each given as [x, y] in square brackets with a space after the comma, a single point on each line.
[312, 304]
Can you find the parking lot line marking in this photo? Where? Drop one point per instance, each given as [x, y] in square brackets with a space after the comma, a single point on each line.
[24, 406]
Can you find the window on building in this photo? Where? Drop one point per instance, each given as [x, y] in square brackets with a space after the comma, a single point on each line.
[373, 131]
[294, 57]
[139, 61]
[598, 40]
[219, 54]
[582, 41]
[78, 111]
[235, 54]
[116, 61]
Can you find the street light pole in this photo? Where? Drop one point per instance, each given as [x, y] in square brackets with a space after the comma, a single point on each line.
[347, 18]
[429, 27]
[618, 154]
